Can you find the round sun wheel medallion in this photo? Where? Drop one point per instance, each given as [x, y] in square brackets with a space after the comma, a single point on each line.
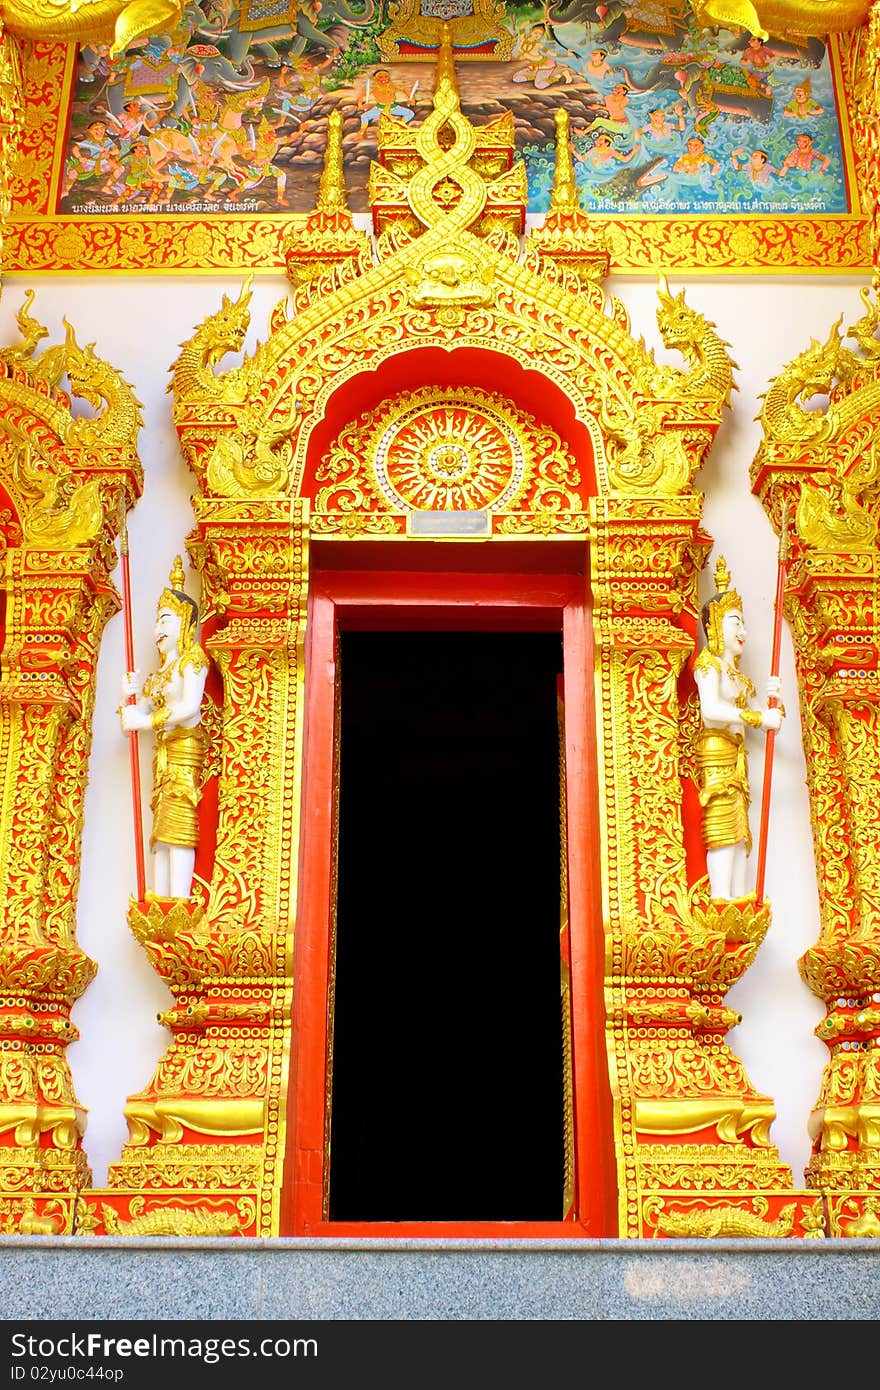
[456, 450]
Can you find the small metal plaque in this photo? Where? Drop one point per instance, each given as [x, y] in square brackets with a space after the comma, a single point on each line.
[449, 525]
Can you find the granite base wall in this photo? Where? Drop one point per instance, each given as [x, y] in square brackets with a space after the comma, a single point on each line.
[71, 1278]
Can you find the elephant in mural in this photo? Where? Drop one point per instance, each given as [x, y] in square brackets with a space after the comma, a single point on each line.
[169, 65]
[200, 63]
[224, 26]
[735, 93]
[622, 25]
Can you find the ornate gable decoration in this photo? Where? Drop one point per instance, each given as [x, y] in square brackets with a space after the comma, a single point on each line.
[447, 269]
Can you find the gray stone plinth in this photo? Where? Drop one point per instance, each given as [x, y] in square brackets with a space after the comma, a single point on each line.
[73, 1278]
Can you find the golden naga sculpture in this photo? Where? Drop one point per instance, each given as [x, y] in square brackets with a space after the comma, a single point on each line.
[766, 17]
[66, 476]
[826, 463]
[115, 22]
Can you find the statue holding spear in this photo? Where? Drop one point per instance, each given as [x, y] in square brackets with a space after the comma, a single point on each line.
[169, 703]
[726, 693]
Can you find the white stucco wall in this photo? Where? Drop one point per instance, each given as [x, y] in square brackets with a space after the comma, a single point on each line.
[137, 324]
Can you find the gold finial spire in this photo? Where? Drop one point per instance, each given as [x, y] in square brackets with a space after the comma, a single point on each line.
[332, 195]
[446, 82]
[564, 196]
[176, 576]
[722, 576]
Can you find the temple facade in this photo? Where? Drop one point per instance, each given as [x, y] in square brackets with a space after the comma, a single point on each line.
[453, 486]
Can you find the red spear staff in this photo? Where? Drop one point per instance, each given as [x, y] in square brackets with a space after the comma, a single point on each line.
[132, 699]
[779, 603]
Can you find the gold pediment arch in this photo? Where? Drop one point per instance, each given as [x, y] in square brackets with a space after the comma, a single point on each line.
[448, 273]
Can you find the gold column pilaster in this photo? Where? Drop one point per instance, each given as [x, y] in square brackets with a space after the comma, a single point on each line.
[57, 603]
[692, 1134]
[833, 605]
[207, 1134]
[822, 463]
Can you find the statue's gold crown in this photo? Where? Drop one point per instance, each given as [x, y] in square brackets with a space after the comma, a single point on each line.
[725, 600]
[179, 602]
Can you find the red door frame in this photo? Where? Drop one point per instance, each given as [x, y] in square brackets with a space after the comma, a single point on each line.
[370, 600]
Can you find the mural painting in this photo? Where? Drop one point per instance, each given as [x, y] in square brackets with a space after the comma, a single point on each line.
[229, 113]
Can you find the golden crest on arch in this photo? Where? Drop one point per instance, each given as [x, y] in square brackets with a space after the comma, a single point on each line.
[454, 450]
[447, 449]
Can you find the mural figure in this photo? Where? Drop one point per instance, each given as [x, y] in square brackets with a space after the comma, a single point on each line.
[91, 158]
[382, 94]
[802, 105]
[696, 160]
[660, 128]
[758, 166]
[803, 156]
[169, 702]
[601, 153]
[597, 66]
[535, 51]
[725, 694]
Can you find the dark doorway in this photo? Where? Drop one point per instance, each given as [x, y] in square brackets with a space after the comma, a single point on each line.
[447, 1096]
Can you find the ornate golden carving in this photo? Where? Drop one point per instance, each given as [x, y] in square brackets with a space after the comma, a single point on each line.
[745, 1221]
[457, 450]
[856, 1216]
[226, 955]
[567, 247]
[118, 22]
[11, 117]
[864, 56]
[327, 250]
[765, 17]
[179, 1221]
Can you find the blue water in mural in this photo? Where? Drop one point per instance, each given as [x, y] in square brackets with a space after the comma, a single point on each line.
[717, 123]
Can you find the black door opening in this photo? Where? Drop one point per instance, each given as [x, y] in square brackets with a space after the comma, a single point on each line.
[447, 1090]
